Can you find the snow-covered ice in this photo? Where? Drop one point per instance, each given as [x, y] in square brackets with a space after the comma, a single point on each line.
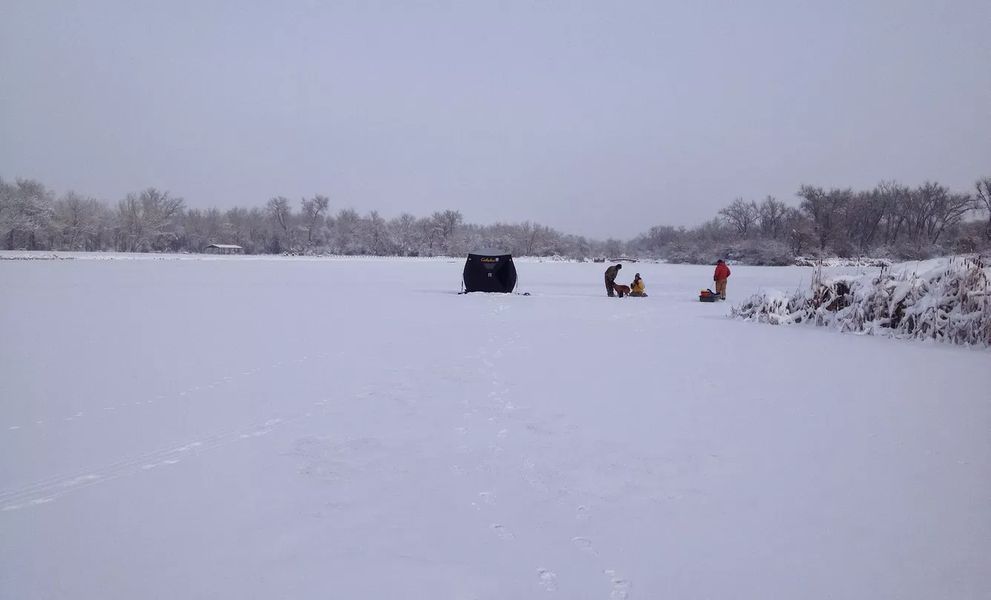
[248, 428]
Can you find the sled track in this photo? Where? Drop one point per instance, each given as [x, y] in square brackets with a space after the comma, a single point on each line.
[48, 489]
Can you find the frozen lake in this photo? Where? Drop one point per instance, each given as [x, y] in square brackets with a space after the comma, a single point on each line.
[292, 428]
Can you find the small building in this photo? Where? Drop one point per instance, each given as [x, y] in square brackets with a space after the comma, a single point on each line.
[224, 249]
[489, 271]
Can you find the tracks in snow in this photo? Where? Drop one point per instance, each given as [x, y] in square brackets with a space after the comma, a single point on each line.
[189, 393]
[497, 411]
[47, 490]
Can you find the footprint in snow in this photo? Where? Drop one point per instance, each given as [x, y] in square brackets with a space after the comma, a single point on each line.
[621, 588]
[79, 480]
[255, 433]
[547, 579]
[502, 532]
[585, 544]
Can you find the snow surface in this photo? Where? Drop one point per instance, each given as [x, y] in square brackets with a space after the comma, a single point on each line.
[943, 300]
[245, 428]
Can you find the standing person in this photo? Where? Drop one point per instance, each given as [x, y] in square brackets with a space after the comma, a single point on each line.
[611, 274]
[720, 277]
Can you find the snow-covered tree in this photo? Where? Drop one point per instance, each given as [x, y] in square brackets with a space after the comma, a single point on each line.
[26, 212]
[147, 221]
[313, 211]
[983, 187]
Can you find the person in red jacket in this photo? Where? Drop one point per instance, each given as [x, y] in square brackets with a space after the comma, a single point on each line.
[720, 277]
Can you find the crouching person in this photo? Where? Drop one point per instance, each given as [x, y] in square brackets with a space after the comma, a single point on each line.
[637, 287]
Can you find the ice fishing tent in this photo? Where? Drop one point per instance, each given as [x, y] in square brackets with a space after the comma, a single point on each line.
[489, 271]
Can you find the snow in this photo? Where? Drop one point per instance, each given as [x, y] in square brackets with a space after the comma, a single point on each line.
[287, 428]
[946, 300]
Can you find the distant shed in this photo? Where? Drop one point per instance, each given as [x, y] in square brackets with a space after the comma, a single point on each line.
[224, 249]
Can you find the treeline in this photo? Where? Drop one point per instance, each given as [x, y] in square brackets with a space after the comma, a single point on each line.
[34, 218]
[891, 220]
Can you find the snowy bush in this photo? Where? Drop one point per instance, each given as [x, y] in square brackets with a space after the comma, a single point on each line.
[860, 261]
[947, 300]
[748, 252]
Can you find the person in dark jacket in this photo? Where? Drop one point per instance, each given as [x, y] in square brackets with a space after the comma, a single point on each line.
[720, 276]
[611, 274]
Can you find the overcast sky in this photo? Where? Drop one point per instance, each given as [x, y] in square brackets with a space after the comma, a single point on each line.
[596, 118]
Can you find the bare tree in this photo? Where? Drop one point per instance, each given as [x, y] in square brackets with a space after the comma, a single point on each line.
[404, 234]
[530, 237]
[443, 227]
[935, 208]
[281, 213]
[146, 221]
[771, 217]
[375, 235]
[79, 222]
[801, 234]
[984, 202]
[743, 216]
[613, 248]
[313, 211]
[826, 210]
[862, 218]
[347, 229]
[891, 199]
[25, 213]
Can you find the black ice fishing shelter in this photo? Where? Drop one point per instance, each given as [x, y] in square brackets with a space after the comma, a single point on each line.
[489, 271]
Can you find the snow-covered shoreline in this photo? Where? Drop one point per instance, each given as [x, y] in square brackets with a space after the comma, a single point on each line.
[945, 300]
[152, 256]
[81, 255]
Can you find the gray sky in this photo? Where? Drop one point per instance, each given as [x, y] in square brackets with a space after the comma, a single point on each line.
[596, 118]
